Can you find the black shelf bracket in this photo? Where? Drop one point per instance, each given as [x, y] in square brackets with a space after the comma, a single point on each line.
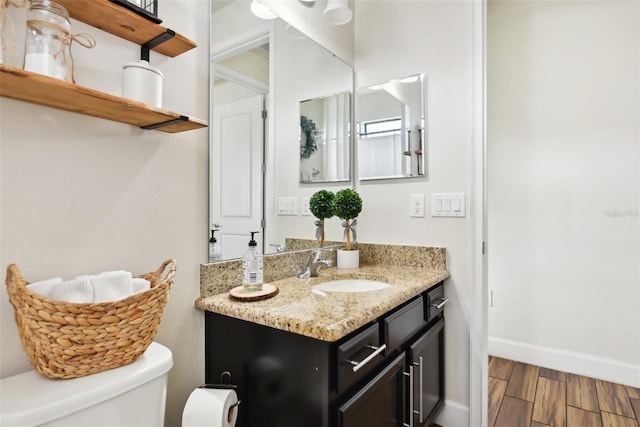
[181, 119]
[145, 48]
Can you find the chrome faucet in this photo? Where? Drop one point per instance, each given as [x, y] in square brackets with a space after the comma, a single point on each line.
[315, 263]
[279, 248]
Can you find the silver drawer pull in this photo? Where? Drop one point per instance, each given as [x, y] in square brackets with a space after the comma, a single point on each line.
[439, 306]
[358, 365]
[421, 399]
[411, 411]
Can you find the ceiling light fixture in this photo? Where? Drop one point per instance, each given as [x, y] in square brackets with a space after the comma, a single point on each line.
[337, 12]
[262, 11]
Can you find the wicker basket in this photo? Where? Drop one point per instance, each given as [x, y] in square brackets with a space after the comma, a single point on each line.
[69, 340]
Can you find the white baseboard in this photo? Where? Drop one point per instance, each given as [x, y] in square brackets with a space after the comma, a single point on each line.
[453, 414]
[567, 361]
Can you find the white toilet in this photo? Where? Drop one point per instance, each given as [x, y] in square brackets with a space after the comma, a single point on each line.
[132, 395]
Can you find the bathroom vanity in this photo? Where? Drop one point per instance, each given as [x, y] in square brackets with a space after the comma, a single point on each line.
[335, 360]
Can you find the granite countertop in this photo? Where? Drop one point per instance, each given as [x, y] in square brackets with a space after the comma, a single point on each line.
[328, 318]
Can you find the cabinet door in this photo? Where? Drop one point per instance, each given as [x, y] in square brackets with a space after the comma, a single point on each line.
[379, 403]
[426, 355]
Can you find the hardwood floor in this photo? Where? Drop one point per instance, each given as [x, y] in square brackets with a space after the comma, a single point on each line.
[531, 396]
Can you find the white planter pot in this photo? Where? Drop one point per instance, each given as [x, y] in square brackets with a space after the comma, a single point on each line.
[348, 259]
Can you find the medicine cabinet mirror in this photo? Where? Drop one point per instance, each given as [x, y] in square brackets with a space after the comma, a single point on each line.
[391, 129]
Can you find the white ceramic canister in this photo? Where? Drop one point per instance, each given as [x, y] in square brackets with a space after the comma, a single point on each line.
[142, 82]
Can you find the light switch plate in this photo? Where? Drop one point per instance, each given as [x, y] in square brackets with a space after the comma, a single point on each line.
[448, 205]
[287, 206]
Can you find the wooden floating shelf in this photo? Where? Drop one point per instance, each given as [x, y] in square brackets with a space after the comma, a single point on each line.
[126, 24]
[39, 89]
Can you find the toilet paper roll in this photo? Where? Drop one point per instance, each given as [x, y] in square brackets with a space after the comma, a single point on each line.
[210, 407]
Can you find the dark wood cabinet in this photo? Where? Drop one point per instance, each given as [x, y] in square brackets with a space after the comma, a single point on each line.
[283, 379]
[426, 355]
[382, 374]
[380, 402]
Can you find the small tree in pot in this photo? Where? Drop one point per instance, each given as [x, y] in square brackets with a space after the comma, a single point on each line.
[347, 204]
[321, 206]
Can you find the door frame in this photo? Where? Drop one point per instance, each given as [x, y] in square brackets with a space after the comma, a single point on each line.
[478, 325]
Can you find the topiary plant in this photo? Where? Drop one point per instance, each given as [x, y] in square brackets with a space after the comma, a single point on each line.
[347, 204]
[321, 206]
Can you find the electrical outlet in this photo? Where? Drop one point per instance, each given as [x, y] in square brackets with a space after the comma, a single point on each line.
[416, 206]
[304, 206]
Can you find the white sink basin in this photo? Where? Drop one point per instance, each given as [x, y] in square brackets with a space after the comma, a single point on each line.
[351, 285]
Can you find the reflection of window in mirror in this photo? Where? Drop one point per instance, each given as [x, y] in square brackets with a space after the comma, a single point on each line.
[380, 127]
[391, 129]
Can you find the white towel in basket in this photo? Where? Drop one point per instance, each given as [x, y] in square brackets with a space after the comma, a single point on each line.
[78, 290]
[138, 284]
[111, 286]
[103, 287]
[43, 287]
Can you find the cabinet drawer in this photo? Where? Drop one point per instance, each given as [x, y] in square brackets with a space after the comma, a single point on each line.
[401, 325]
[358, 356]
[435, 302]
[378, 403]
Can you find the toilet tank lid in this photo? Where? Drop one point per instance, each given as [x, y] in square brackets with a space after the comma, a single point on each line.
[32, 399]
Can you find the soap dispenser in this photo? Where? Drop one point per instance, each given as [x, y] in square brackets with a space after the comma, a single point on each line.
[252, 266]
[215, 251]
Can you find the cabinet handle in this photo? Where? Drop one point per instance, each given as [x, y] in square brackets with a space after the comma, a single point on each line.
[421, 376]
[411, 411]
[358, 365]
[439, 306]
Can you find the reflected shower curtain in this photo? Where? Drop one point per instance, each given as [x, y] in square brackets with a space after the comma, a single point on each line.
[380, 156]
[336, 142]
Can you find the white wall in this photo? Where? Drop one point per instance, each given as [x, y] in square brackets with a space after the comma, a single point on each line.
[564, 137]
[83, 195]
[395, 39]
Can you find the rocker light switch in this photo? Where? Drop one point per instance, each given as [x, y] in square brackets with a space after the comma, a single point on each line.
[447, 204]
[287, 206]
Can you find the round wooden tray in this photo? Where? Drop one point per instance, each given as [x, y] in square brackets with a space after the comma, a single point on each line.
[268, 291]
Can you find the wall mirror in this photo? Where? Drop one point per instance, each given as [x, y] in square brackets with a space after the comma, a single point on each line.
[325, 149]
[263, 66]
[391, 129]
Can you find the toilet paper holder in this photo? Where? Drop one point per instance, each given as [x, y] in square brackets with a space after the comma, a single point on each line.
[225, 382]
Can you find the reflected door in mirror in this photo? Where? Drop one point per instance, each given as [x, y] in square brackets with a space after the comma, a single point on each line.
[236, 173]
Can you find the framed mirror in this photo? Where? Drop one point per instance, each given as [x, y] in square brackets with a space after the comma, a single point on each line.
[391, 129]
[325, 148]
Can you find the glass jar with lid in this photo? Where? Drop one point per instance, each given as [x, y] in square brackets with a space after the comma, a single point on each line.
[48, 40]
